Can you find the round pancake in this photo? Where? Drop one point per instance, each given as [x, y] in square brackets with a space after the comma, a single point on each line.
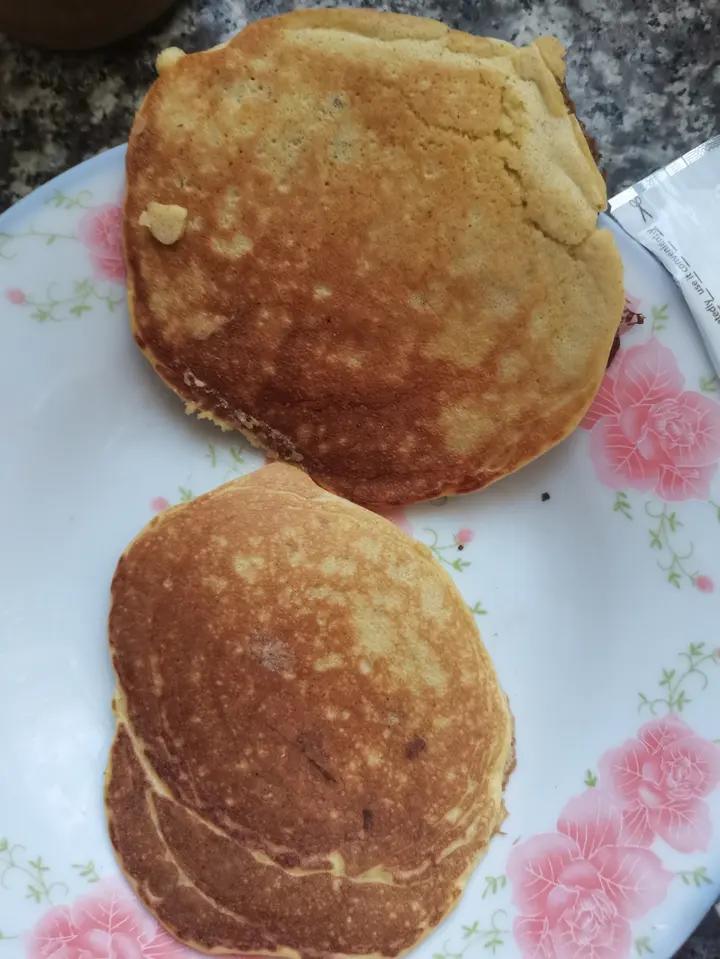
[298, 673]
[379, 254]
[215, 896]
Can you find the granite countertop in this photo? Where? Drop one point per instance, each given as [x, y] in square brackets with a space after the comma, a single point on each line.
[645, 77]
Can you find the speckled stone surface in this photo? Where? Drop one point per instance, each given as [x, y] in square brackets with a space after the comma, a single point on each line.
[644, 74]
[645, 77]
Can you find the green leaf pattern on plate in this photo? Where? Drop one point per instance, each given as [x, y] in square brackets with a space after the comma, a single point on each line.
[676, 683]
[16, 865]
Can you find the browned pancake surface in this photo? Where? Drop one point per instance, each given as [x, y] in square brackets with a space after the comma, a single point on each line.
[152, 871]
[391, 270]
[312, 744]
[216, 895]
[300, 673]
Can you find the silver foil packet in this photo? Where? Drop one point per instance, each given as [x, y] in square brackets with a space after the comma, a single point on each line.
[675, 214]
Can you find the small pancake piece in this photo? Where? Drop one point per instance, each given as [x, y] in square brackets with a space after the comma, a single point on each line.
[391, 271]
[311, 737]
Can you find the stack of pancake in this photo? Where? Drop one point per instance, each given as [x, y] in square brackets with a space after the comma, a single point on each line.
[370, 244]
[311, 741]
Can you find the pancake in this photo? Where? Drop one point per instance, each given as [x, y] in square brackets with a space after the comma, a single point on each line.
[151, 870]
[294, 678]
[386, 264]
[334, 647]
[213, 894]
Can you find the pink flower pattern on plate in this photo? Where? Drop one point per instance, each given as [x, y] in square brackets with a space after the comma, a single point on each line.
[107, 923]
[15, 296]
[100, 232]
[158, 504]
[661, 778]
[647, 432]
[578, 888]
[704, 584]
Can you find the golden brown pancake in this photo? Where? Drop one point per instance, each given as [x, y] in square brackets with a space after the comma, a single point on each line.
[215, 895]
[295, 676]
[389, 268]
[151, 870]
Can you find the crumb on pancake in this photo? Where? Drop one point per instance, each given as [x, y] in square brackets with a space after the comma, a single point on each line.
[166, 221]
[168, 58]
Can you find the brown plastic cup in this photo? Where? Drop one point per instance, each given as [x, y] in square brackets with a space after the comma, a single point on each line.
[76, 24]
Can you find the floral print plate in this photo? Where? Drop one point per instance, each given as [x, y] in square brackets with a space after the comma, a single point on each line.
[594, 575]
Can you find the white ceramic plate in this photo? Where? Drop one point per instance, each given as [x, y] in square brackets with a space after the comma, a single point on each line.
[592, 573]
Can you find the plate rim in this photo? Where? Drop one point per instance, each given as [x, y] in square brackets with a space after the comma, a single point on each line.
[37, 195]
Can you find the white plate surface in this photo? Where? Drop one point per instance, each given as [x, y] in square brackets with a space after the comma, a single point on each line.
[594, 574]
